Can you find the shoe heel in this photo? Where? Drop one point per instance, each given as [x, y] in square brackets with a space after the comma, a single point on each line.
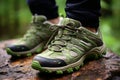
[95, 55]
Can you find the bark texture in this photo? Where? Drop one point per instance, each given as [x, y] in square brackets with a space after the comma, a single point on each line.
[106, 68]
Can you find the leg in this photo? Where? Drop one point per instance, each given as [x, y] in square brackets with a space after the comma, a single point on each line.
[47, 8]
[85, 11]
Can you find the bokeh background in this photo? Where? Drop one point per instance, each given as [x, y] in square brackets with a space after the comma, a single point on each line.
[15, 17]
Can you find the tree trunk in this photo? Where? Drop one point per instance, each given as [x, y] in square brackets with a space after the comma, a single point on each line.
[4, 18]
[16, 15]
[116, 19]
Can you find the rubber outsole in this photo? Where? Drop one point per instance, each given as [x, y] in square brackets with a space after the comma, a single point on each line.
[15, 54]
[37, 66]
[29, 53]
[71, 68]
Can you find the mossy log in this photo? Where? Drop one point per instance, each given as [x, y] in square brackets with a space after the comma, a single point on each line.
[106, 68]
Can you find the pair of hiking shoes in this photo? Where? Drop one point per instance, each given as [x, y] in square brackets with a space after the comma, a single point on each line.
[63, 47]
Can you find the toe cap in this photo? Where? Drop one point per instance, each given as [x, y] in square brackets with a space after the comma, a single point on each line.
[45, 62]
[18, 48]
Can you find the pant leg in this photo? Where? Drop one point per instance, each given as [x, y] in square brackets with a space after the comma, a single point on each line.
[47, 8]
[86, 11]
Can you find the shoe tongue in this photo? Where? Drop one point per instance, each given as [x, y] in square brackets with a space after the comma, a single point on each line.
[38, 18]
[71, 23]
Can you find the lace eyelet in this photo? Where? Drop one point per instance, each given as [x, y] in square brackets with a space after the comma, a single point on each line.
[71, 24]
[52, 28]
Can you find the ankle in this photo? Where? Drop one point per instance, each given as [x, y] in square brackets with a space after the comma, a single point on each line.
[92, 29]
[55, 20]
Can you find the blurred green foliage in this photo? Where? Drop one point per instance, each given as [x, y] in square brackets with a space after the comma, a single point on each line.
[15, 16]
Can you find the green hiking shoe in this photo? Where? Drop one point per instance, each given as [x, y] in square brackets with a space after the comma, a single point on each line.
[35, 39]
[69, 49]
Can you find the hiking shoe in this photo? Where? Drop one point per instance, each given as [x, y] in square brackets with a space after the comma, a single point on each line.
[35, 38]
[70, 47]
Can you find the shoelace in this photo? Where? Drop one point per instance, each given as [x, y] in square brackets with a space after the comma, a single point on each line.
[61, 39]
